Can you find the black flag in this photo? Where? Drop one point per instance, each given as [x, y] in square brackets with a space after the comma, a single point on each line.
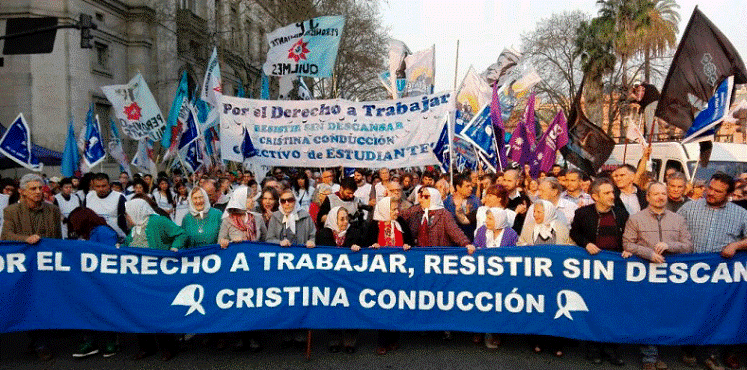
[703, 59]
[588, 145]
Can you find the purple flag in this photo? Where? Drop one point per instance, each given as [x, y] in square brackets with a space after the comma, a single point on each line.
[523, 140]
[553, 139]
[498, 129]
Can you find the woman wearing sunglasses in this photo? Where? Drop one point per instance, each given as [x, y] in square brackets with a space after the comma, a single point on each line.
[290, 225]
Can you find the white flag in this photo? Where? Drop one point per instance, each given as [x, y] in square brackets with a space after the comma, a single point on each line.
[212, 86]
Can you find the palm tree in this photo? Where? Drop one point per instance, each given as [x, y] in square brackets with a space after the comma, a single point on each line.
[661, 32]
[594, 46]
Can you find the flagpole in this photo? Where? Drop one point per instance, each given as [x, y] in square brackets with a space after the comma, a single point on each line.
[456, 66]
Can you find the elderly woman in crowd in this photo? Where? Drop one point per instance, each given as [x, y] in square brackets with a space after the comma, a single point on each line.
[150, 230]
[203, 222]
[338, 232]
[432, 225]
[495, 196]
[289, 225]
[495, 232]
[388, 229]
[239, 223]
[547, 229]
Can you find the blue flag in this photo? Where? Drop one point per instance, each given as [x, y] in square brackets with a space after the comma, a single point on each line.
[714, 113]
[441, 148]
[265, 94]
[182, 93]
[190, 133]
[192, 157]
[16, 144]
[479, 132]
[240, 93]
[93, 150]
[247, 147]
[70, 158]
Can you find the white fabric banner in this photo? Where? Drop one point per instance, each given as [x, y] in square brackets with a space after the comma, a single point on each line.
[333, 133]
[136, 109]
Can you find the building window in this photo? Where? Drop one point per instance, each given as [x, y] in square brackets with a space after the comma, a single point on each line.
[187, 5]
[102, 55]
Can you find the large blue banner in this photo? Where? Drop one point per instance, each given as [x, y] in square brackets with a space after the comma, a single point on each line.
[549, 290]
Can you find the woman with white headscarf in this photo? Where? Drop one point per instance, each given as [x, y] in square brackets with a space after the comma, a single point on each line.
[239, 224]
[202, 222]
[547, 229]
[337, 231]
[290, 225]
[495, 232]
[388, 228]
[151, 230]
[432, 225]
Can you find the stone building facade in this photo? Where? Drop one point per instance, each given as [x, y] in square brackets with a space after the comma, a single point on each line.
[158, 38]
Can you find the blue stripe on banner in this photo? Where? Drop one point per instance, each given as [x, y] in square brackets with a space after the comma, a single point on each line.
[548, 290]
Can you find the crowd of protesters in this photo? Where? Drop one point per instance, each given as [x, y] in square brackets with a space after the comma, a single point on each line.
[624, 211]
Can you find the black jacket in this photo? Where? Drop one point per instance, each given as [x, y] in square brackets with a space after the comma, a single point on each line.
[325, 236]
[586, 222]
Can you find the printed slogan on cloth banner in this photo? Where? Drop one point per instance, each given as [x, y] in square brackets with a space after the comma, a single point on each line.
[136, 109]
[307, 48]
[547, 290]
[332, 133]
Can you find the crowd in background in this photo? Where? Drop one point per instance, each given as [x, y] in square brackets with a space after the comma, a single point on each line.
[625, 211]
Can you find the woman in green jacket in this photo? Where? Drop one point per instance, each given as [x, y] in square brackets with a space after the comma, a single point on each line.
[151, 230]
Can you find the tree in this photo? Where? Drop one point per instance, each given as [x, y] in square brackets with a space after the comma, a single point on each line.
[551, 49]
[597, 60]
[661, 35]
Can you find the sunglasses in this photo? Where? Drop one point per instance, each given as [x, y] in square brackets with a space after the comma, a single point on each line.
[425, 196]
[287, 200]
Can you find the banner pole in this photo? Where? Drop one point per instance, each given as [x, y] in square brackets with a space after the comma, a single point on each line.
[456, 66]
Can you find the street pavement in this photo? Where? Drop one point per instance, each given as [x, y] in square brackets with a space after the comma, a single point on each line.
[417, 351]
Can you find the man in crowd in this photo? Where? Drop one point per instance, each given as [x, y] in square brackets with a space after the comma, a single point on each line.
[598, 227]
[649, 234]
[28, 221]
[213, 194]
[627, 193]
[107, 203]
[676, 186]
[428, 179]
[66, 201]
[363, 193]
[394, 191]
[518, 201]
[716, 226]
[573, 191]
[379, 191]
[343, 198]
[463, 204]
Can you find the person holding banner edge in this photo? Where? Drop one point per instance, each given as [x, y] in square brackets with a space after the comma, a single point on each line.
[598, 227]
[649, 234]
[28, 221]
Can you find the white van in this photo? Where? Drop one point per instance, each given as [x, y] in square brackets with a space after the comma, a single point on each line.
[726, 157]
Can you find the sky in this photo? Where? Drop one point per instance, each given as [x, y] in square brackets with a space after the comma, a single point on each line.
[485, 27]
